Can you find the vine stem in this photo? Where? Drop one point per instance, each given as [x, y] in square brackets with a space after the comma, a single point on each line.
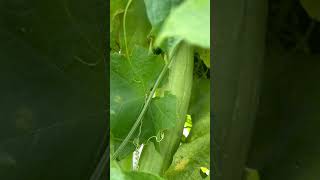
[144, 109]
[124, 27]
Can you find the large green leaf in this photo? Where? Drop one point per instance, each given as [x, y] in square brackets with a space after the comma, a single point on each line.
[196, 153]
[163, 110]
[131, 81]
[158, 11]
[189, 21]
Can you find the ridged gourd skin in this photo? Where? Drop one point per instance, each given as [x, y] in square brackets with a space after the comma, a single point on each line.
[180, 85]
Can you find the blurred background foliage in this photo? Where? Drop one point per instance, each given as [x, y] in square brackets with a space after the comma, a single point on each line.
[52, 107]
[278, 136]
[285, 140]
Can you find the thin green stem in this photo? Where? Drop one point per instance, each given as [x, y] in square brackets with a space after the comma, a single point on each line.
[124, 27]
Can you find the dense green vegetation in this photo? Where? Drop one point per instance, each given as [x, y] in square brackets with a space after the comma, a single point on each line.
[159, 76]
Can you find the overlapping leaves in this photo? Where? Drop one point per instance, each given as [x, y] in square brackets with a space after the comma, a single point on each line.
[133, 75]
[130, 82]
